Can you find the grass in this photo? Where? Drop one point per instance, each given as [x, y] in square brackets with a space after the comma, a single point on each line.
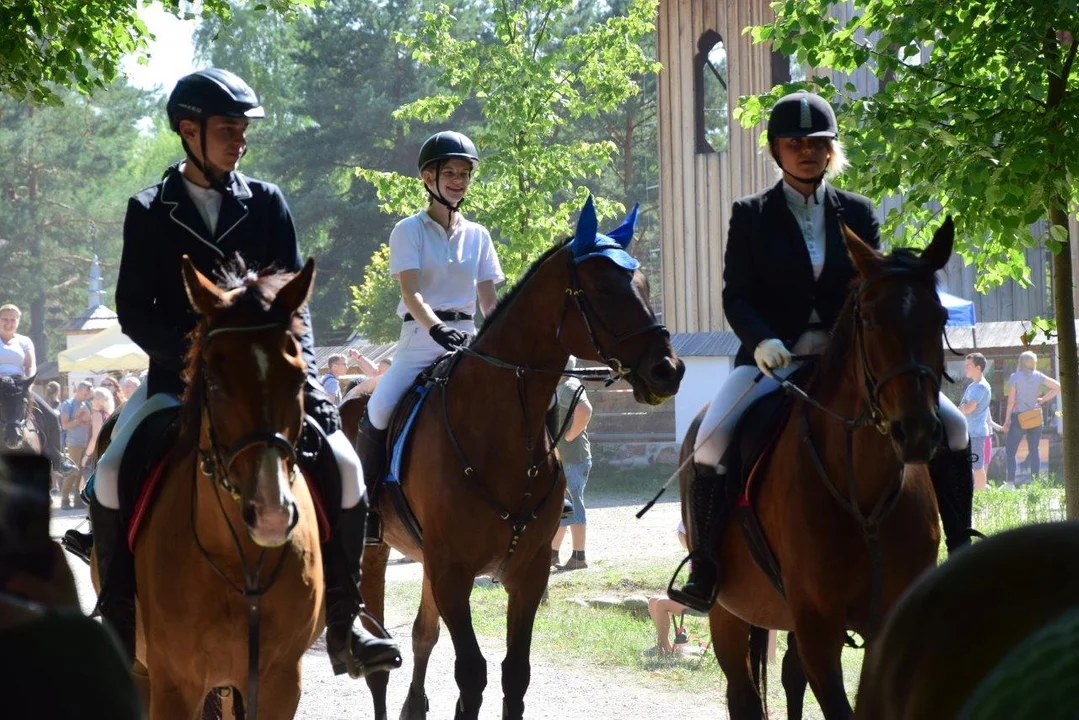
[614, 639]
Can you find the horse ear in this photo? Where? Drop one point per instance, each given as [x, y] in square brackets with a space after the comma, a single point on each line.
[587, 227]
[205, 297]
[938, 252]
[294, 295]
[623, 234]
[866, 260]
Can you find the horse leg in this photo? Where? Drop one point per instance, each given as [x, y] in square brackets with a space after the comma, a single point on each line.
[794, 679]
[424, 636]
[373, 590]
[525, 588]
[451, 587]
[730, 638]
[820, 645]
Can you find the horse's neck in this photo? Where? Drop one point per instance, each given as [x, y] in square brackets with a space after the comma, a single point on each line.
[525, 333]
[841, 390]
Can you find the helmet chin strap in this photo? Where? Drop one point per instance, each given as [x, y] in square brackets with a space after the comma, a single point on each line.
[814, 182]
[436, 194]
[219, 181]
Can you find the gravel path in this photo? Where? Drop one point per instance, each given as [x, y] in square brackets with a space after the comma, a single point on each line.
[565, 690]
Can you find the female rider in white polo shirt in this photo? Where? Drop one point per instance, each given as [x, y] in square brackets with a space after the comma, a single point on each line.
[444, 263]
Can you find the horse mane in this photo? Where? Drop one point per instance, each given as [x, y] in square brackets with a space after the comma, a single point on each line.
[253, 306]
[507, 299]
[838, 350]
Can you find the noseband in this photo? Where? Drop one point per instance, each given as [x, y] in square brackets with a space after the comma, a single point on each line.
[217, 463]
[874, 384]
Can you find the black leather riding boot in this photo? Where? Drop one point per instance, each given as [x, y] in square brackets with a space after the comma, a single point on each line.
[953, 482]
[351, 647]
[116, 569]
[49, 423]
[371, 447]
[707, 521]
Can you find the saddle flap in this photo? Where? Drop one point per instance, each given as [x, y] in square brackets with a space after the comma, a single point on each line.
[404, 415]
[144, 458]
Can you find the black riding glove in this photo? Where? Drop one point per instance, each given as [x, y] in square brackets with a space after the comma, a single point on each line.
[448, 337]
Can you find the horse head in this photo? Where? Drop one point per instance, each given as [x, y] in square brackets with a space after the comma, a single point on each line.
[14, 404]
[615, 322]
[898, 320]
[246, 374]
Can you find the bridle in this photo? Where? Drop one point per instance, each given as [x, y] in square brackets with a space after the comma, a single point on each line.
[588, 313]
[216, 465]
[9, 395]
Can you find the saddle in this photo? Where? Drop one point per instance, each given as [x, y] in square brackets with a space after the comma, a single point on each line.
[399, 435]
[746, 459]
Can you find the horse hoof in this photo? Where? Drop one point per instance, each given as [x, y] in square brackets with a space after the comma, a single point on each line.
[411, 711]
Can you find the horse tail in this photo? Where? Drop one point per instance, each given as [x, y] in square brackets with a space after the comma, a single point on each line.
[758, 662]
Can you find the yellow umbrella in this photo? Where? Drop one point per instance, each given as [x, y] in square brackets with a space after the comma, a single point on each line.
[108, 350]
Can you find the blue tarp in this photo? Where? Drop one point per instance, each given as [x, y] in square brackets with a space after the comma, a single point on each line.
[960, 311]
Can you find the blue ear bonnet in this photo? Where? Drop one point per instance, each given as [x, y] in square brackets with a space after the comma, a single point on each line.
[588, 242]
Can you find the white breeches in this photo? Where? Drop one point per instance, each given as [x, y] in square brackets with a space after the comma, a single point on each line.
[739, 391]
[138, 408]
[415, 351]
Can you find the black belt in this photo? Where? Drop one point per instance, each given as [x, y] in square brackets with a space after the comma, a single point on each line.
[447, 315]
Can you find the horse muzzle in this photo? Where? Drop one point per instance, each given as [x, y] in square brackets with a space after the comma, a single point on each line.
[13, 436]
[270, 526]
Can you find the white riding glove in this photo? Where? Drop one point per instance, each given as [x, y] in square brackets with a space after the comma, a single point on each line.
[771, 355]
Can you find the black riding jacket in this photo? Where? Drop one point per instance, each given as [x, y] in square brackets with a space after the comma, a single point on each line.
[163, 225]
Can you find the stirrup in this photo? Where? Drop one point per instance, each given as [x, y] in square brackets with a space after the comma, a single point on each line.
[692, 601]
[353, 666]
[373, 530]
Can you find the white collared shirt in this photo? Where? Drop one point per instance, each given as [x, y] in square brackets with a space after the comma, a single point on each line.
[207, 201]
[450, 266]
[13, 354]
[809, 214]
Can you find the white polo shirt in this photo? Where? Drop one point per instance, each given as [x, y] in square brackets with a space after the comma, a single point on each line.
[13, 354]
[450, 267]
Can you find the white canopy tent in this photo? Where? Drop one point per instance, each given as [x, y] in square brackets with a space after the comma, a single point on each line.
[108, 350]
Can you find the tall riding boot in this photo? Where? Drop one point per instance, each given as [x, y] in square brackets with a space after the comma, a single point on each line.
[708, 517]
[116, 570]
[953, 482]
[371, 447]
[351, 648]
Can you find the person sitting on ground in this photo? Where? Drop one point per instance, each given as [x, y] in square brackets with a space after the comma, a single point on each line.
[661, 608]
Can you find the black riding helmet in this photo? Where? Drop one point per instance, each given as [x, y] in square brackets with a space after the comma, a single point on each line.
[204, 94]
[801, 114]
[441, 147]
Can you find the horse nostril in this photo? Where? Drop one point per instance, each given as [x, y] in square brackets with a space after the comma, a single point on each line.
[897, 433]
[664, 370]
[249, 514]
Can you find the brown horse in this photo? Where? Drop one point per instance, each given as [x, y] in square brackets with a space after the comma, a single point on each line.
[230, 516]
[16, 415]
[843, 498]
[990, 634]
[481, 478]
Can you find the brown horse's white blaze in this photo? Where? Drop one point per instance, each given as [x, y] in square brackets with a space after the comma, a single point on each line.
[270, 511]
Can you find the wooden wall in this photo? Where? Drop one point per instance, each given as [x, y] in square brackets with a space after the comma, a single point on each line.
[697, 190]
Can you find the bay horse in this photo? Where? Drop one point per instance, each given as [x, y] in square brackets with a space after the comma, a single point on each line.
[992, 633]
[843, 498]
[481, 477]
[16, 415]
[231, 517]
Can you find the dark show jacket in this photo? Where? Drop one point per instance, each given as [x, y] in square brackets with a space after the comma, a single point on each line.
[162, 225]
[768, 286]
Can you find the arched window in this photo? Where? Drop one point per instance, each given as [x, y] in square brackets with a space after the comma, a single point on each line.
[711, 97]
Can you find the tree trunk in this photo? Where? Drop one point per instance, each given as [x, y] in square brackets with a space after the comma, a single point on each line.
[38, 333]
[1064, 301]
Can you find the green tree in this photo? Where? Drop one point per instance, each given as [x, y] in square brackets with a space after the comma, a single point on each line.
[64, 180]
[977, 117]
[548, 67]
[330, 82]
[47, 44]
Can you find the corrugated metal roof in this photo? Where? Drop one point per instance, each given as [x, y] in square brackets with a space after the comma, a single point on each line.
[706, 344]
[987, 335]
